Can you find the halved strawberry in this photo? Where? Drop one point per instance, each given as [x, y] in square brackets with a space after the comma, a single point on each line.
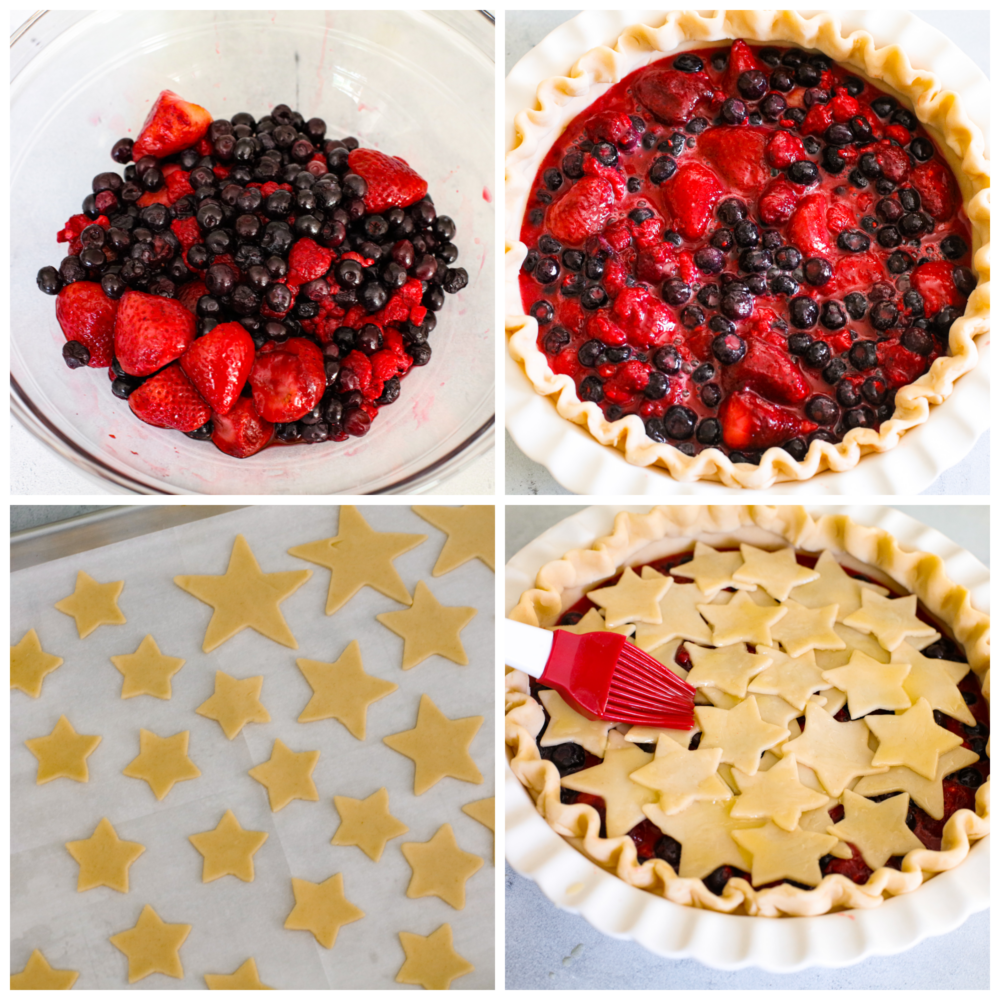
[242, 431]
[611, 126]
[656, 263]
[189, 293]
[671, 96]
[741, 60]
[168, 399]
[750, 422]
[690, 196]
[582, 211]
[769, 371]
[858, 272]
[86, 314]
[807, 228]
[784, 149]
[936, 188]
[737, 154]
[219, 363]
[645, 319]
[391, 181]
[150, 332]
[936, 283]
[900, 365]
[287, 379]
[895, 162]
[172, 125]
[308, 261]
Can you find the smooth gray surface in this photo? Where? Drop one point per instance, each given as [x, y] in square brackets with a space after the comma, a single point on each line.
[970, 29]
[541, 939]
[31, 516]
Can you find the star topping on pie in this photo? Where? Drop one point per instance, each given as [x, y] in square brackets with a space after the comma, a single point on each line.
[741, 620]
[775, 572]
[679, 613]
[890, 620]
[877, 829]
[712, 570]
[834, 585]
[729, 669]
[794, 678]
[567, 725]
[632, 599]
[912, 739]
[681, 776]
[776, 794]
[804, 629]
[740, 732]
[870, 685]
[593, 621]
[778, 854]
[934, 680]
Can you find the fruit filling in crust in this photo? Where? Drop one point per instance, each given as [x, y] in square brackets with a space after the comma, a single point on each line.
[253, 282]
[747, 247]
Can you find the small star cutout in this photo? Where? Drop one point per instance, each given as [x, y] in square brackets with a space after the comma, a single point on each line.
[681, 776]
[834, 586]
[794, 678]
[870, 685]
[438, 747]
[566, 725]
[877, 829]
[320, 907]
[712, 571]
[147, 670]
[729, 669]
[429, 627]
[775, 794]
[644, 735]
[359, 556]
[228, 849]
[776, 710]
[367, 823]
[935, 680]
[39, 975]
[162, 761]
[679, 611]
[471, 534]
[244, 978]
[287, 775]
[704, 831]
[342, 690]
[440, 868]
[776, 572]
[431, 961]
[152, 946]
[104, 859]
[93, 604]
[778, 854]
[804, 629]
[592, 621]
[632, 599]
[889, 620]
[912, 739]
[741, 620]
[63, 753]
[234, 703]
[483, 811]
[29, 665]
[740, 732]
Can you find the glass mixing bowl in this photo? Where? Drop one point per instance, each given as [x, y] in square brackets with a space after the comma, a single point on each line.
[415, 85]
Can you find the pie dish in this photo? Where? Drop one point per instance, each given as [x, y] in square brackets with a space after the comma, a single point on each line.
[691, 359]
[663, 537]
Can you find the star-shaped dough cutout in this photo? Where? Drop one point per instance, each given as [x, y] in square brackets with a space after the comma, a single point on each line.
[836, 751]
[438, 747]
[794, 678]
[681, 776]
[342, 690]
[321, 907]
[623, 799]
[712, 570]
[644, 735]
[776, 710]
[63, 753]
[244, 597]
[92, 604]
[367, 823]
[162, 761]
[39, 975]
[912, 739]
[632, 598]
[429, 627]
[775, 572]
[244, 978]
[778, 854]
[358, 556]
[147, 670]
[804, 629]
[228, 849]
[152, 946]
[29, 665]
[566, 725]
[729, 669]
[235, 703]
[431, 961]
[827, 659]
[870, 685]
[471, 534]
[287, 775]
[935, 680]
[740, 732]
[741, 620]
[483, 811]
[890, 620]
[440, 868]
[593, 621]
[877, 829]
[834, 585]
[704, 831]
[679, 611]
[775, 794]
[104, 859]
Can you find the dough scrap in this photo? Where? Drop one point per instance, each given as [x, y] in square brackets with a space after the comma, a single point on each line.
[484, 811]
[429, 627]
[92, 604]
[440, 868]
[367, 823]
[287, 775]
[321, 908]
[152, 946]
[244, 978]
[29, 665]
[63, 753]
[234, 703]
[471, 534]
[162, 761]
[147, 670]
[39, 975]
[431, 961]
[228, 849]
[104, 858]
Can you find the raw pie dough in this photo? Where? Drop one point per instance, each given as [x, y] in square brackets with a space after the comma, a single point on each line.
[244, 978]
[440, 868]
[320, 907]
[234, 703]
[431, 961]
[228, 849]
[483, 811]
[39, 975]
[152, 946]
[92, 604]
[287, 775]
[471, 534]
[147, 670]
[367, 823]
[29, 665]
[63, 753]
[429, 627]
[104, 858]
[162, 761]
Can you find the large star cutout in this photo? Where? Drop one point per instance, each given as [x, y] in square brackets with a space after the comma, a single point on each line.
[431, 961]
[592, 621]
[704, 831]
[827, 659]
[440, 868]
[367, 823]
[93, 604]
[29, 665]
[287, 775]
[234, 703]
[147, 670]
[775, 572]
[438, 747]
[471, 534]
[775, 794]
[623, 799]
[152, 946]
[778, 854]
[679, 611]
[804, 629]
[104, 859]
[741, 620]
[244, 978]
[342, 690]
[566, 725]
[429, 627]
[729, 669]
[870, 685]
[889, 620]
[63, 753]
[162, 761]
[877, 829]
[632, 599]
[39, 975]
[740, 732]
[711, 570]
[794, 678]
[320, 907]
[228, 849]
[681, 776]
[834, 586]
[935, 680]
[244, 597]
[913, 739]
[358, 556]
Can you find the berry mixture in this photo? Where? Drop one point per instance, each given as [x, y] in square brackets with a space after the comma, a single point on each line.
[252, 282]
[747, 247]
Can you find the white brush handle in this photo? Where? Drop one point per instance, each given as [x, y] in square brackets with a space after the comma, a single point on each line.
[526, 648]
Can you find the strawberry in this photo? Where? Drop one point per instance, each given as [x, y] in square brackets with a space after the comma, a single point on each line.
[738, 157]
[895, 162]
[901, 367]
[817, 120]
[189, 293]
[839, 217]
[778, 201]
[690, 197]
[241, 432]
[741, 60]
[898, 133]
[656, 263]
[177, 184]
[751, 422]
[391, 181]
[150, 332]
[308, 261]
[630, 378]
[600, 327]
[187, 231]
[594, 168]
[671, 96]
[784, 149]
[936, 284]
[287, 379]
[70, 233]
[168, 399]
[582, 211]
[611, 126]
[86, 314]
[858, 271]
[619, 234]
[645, 319]
[172, 125]
[161, 197]
[807, 229]
[843, 107]
[218, 364]
[936, 189]
[769, 371]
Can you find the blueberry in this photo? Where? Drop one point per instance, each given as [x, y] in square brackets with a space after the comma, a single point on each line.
[729, 348]
[853, 241]
[856, 305]
[803, 312]
[818, 354]
[709, 259]
[676, 291]
[752, 85]
[662, 169]
[703, 373]
[591, 389]
[803, 172]
[954, 247]
[687, 62]
[832, 316]
[787, 258]
[709, 432]
[679, 422]
[863, 355]
[731, 211]
[818, 271]
[667, 360]
[883, 315]
[657, 386]
[822, 410]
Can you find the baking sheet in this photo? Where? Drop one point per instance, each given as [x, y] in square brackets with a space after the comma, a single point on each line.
[232, 920]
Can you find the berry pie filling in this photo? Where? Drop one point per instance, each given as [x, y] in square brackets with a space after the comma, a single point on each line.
[253, 282]
[746, 247]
